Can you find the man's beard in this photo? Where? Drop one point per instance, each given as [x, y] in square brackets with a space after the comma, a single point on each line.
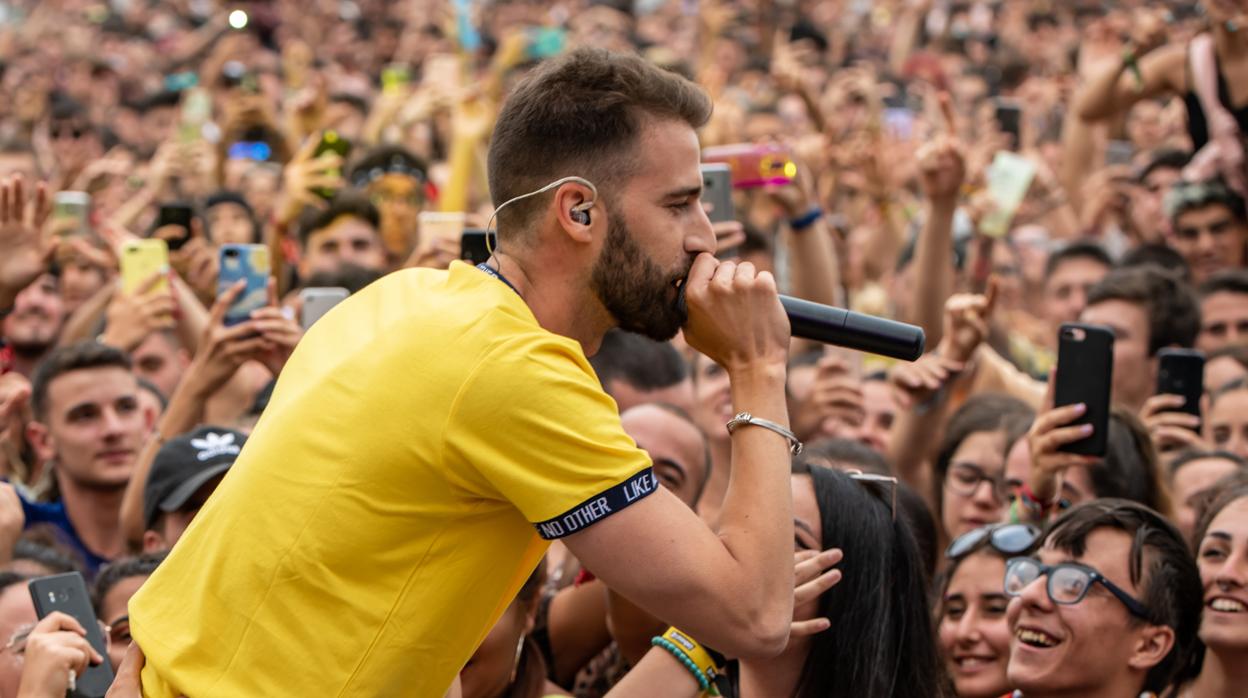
[638, 293]
[33, 343]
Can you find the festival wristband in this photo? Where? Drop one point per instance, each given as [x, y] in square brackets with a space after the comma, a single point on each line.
[600, 506]
[704, 682]
[806, 220]
[710, 663]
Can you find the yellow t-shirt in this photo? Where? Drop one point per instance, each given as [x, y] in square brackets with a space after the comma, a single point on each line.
[388, 506]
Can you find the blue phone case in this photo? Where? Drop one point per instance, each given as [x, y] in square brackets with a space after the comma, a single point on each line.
[244, 262]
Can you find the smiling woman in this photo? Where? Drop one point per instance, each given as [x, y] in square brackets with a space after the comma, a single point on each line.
[1221, 544]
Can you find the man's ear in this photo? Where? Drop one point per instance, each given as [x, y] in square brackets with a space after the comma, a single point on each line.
[41, 440]
[1152, 644]
[153, 542]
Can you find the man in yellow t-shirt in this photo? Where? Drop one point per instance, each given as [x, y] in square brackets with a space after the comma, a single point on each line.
[430, 435]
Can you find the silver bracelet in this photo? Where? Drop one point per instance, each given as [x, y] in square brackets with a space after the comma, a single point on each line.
[745, 418]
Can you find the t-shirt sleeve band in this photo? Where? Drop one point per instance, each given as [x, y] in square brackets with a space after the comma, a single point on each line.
[600, 506]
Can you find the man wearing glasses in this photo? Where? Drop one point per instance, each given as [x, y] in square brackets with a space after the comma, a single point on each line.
[1109, 606]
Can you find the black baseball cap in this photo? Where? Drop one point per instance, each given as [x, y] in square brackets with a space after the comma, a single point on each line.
[184, 463]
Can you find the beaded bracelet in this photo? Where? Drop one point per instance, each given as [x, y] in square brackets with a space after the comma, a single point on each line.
[703, 682]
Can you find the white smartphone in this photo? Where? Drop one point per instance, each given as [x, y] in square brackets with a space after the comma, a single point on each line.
[315, 302]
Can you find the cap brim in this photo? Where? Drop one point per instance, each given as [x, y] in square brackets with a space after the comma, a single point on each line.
[179, 496]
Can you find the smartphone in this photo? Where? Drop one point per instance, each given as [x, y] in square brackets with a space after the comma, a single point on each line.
[196, 113]
[754, 165]
[317, 301]
[331, 142]
[176, 214]
[1182, 372]
[256, 151]
[75, 206]
[1119, 153]
[475, 245]
[1009, 119]
[249, 263]
[1009, 177]
[1085, 373]
[140, 259]
[67, 593]
[717, 191]
[395, 77]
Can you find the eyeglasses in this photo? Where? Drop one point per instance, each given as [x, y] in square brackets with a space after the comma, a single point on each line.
[872, 477]
[964, 479]
[1011, 539]
[17, 642]
[1068, 583]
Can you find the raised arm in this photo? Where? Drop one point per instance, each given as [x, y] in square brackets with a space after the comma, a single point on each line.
[1147, 68]
[733, 590]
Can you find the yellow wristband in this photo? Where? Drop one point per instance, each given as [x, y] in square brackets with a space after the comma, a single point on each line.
[695, 651]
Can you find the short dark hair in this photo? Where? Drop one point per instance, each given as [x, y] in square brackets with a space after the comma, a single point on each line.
[119, 570]
[1160, 565]
[641, 362]
[1080, 249]
[1158, 254]
[1185, 196]
[1164, 159]
[53, 560]
[74, 357]
[1227, 281]
[581, 114]
[348, 202]
[1173, 313]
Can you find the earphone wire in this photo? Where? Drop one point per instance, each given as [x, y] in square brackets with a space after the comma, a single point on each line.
[558, 182]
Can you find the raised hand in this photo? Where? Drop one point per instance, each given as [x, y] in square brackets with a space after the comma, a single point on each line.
[812, 577]
[24, 249]
[942, 161]
[1170, 429]
[966, 323]
[131, 317]
[917, 382]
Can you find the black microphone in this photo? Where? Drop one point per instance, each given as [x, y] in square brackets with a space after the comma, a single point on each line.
[845, 328]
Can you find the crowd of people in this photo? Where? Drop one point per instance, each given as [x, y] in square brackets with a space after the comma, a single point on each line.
[986, 170]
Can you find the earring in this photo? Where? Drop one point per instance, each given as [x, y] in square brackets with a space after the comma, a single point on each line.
[515, 668]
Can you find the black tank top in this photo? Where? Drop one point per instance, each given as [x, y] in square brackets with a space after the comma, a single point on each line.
[1197, 127]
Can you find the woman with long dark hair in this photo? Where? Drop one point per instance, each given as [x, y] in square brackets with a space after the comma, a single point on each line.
[880, 644]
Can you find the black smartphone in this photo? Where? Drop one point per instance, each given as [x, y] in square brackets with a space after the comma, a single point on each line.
[1085, 373]
[67, 593]
[1009, 120]
[1182, 372]
[717, 191]
[331, 142]
[178, 214]
[473, 247]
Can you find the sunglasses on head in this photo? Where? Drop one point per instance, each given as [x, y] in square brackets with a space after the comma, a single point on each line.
[1010, 539]
[879, 479]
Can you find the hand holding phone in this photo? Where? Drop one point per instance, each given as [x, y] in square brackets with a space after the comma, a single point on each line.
[67, 594]
[1173, 415]
[1085, 369]
[248, 263]
[140, 261]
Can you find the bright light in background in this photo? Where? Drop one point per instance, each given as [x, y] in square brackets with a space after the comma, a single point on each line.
[238, 19]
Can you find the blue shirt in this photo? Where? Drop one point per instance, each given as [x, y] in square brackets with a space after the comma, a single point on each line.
[53, 513]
